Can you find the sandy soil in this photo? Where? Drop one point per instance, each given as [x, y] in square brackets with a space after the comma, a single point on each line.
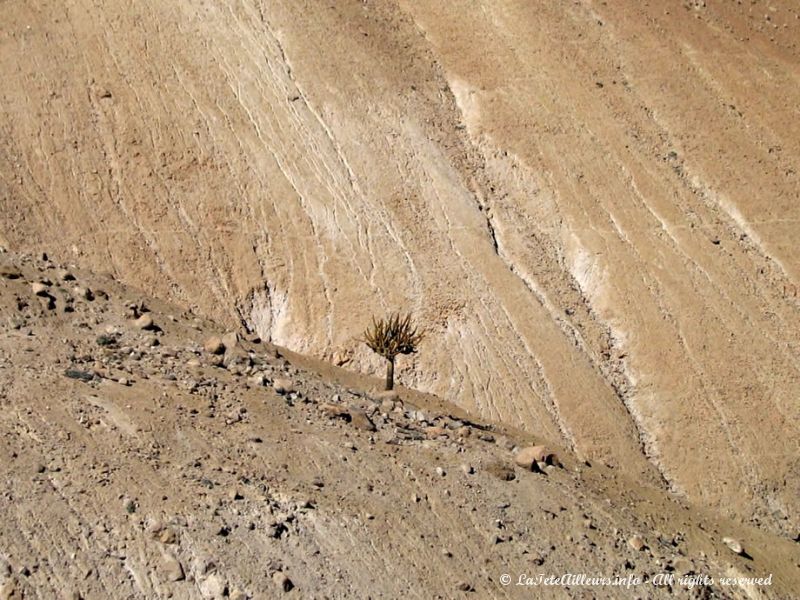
[136, 464]
[593, 206]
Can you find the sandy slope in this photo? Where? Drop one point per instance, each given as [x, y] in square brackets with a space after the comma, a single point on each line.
[176, 473]
[592, 204]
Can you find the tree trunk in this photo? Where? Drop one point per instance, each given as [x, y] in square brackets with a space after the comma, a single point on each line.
[390, 375]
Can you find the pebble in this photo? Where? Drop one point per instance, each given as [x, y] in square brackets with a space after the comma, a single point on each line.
[282, 581]
[172, 568]
[360, 420]
[214, 345]
[637, 543]
[467, 469]
[168, 536]
[282, 386]
[733, 545]
[83, 293]
[214, 587]
[144, 322]
[463, 586]
[230, 340]
[10, 273]
[527, 458]
[39, 288]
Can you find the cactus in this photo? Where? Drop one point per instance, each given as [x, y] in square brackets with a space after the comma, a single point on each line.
[390, 337]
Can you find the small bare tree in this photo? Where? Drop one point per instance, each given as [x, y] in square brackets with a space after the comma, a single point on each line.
[390, 337]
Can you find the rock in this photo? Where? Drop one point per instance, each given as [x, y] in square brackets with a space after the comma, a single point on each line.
[467, 469]
[335, 411]
[440, 472]
[385, 395]
[282, 581]
[237, 594]
[360, 420]
[214, 345]
[501, 471]
[144, 322]
[341, 357]
[435, 432]
[528, 457]
[39, 289]
[683, 566]
[84, 376]
[213, 587]
[10, 273]
[258, 380]
[637, 543]
[168, 536]
[9, 590]
[463, 586]
[230, 340]
[282, 386]
[171, 568]
[733, 545]
[65, 275]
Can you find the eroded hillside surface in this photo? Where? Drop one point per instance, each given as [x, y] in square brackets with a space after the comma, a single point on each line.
[593, 206]
[147, 453]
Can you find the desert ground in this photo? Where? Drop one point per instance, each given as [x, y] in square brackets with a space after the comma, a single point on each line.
[592, 207]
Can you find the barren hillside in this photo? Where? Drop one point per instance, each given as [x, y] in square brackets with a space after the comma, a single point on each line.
[140, 457]
[593, 206]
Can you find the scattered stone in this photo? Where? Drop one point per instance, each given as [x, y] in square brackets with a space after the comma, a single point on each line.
[637, 543]
[440, 472]
[214, 345]
[467, 469]
[463, 586]
[282, 386]
[282, 581]
[734, 545]
[144, 322]
[65, 275]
